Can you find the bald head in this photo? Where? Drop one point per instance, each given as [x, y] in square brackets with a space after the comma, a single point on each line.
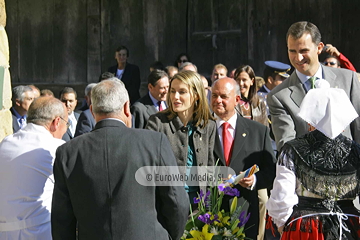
[225, 96]
[50, 113]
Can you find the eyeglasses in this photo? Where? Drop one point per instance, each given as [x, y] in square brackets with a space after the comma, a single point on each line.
[329, 63]
[67, 123]
[182, 61]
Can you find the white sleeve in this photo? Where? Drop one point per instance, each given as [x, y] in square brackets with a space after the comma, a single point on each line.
[283, 196]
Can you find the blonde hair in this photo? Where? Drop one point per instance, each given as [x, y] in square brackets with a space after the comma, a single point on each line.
[196, 88]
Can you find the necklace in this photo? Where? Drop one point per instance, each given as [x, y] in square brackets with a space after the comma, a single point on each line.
[244, 104]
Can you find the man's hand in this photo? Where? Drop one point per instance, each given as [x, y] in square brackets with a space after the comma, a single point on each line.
[247, 182]
[332, 50]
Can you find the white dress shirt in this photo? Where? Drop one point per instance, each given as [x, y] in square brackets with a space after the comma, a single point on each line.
[26, 183]
[73, 121]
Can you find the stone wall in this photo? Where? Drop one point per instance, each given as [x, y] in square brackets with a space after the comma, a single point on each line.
[5, 95]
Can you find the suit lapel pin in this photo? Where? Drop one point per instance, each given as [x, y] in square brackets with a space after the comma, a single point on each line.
[244, 134]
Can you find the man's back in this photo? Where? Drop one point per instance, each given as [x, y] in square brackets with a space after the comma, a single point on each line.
[26, 182]
[96, 186]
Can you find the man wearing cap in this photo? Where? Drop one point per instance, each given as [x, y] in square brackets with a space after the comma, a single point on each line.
[274, 74]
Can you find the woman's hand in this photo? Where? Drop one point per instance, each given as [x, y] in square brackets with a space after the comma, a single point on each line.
[281, 229]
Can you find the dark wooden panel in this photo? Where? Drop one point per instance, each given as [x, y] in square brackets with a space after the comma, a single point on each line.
[93, 41]
[35, 41]
[69, 41]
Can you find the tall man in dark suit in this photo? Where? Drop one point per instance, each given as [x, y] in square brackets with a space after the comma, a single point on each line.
[69, 97]
[126, 72]
[153, 101]
[86, 121]
[304, 45]
[95, 182]
[240, 144]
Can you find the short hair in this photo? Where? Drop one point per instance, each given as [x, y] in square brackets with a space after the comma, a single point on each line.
[298, 29]
[157, 65]
[217, 66]
[68, 90]
[18, 92]
[44, 109]
[155, 76]
[45, 92]
[331, 56]
[168, 69]
[106, 75]
[179, 57]
[269, 72]
[193, 80]
[252, 97]
[88, 88]
[123, 48]
[187, 64]
[109, 96]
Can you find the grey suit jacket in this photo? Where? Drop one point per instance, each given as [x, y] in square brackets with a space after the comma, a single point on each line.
[95, 186]
[142, 110]
[67, 135]
[284, 104]
[179, 140]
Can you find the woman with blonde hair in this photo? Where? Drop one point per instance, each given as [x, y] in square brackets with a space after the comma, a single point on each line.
[188, 124]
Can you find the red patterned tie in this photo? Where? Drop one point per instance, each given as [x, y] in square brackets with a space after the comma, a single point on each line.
[160, 106]
[227, 142]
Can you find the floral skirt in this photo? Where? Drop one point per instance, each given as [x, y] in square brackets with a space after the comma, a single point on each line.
[312, 220]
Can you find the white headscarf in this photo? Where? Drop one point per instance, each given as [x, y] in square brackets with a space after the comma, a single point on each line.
[327, 109]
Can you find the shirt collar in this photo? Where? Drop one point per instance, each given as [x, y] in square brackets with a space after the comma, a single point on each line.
[268, 90]
[18, 116]
[155, 102]
[231, 121]
[303, 78]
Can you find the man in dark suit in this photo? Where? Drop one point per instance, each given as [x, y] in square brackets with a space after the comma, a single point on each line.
[153, 101]
[86, 121]
[69, 97]
[126, 72]
[95, 184]
[304, 46]
[22, 97]
[241, 143]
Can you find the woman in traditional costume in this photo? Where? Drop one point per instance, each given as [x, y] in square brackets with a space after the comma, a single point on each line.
[317, 175]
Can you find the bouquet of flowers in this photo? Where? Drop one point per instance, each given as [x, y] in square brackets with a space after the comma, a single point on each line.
[213, 223]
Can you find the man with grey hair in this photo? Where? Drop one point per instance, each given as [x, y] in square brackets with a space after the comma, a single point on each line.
[188, 66]
[26, 171]
[22, 97]
[95, 182]
[86, 121]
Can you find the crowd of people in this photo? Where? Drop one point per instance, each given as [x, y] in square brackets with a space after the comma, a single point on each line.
[66, 174]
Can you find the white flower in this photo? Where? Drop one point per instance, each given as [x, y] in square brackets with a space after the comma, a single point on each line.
[227, 232]
[214, 231]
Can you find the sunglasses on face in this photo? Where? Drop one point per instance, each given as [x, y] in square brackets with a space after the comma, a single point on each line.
[182, 61]
[329, 63]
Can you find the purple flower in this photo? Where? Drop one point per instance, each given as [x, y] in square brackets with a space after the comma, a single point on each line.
[207, 199]
[221, 187]
[231, 191]
[243, 220]
[206, 218]
[198, 199]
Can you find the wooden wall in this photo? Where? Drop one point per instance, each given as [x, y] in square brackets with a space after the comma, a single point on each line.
[66, 42]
